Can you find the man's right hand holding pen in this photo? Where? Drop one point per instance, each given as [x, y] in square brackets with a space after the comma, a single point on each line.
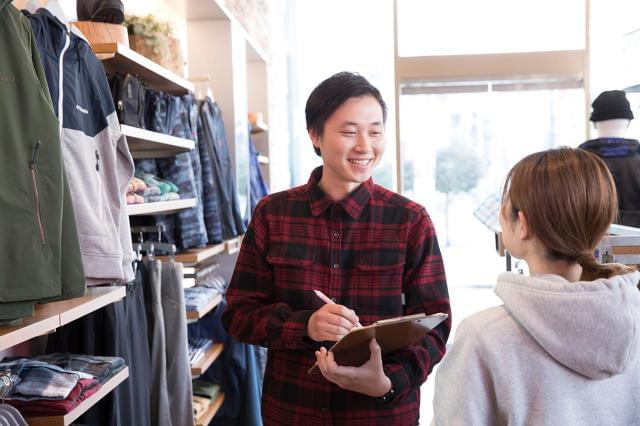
[332, 321]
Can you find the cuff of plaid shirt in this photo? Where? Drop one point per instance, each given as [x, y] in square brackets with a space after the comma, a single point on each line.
[399, 381]
[294, 331]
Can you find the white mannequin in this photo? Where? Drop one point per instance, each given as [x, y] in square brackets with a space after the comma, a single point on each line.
[615, 128]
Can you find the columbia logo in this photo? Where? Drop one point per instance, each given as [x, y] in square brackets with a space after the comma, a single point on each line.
[82, 110]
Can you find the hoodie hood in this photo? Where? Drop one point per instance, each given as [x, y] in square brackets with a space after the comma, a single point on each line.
[588, 326]
[612, 147]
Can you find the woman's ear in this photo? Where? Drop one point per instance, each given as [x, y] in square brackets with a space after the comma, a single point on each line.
[523, 231]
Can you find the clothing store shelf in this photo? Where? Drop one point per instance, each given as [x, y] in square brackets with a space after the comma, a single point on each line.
[49, 316]
[118, 58]
[147, 144]
[263, 159]
[162, 207]
[233, 245]
[68, 418]
[209, 357]
[199, 255]
[259, 127]
[196, 315]
[208, 415]
[188, 282]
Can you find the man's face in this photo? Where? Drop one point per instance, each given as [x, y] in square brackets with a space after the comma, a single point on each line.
[352, 143]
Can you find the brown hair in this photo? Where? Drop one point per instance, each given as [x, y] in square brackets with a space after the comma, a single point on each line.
[569, 198]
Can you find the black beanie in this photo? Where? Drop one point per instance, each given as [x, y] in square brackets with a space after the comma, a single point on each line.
[610, 105]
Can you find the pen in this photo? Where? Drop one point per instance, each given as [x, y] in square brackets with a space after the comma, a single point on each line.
[328, 301]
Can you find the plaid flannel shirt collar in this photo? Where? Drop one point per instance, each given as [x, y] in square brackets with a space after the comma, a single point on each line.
[353, 204]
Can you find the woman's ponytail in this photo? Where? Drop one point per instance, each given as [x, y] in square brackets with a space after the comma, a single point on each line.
[592, 269]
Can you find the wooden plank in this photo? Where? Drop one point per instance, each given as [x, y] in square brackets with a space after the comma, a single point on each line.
[147, 144]
[208, 415]
[196, 315]
[195, 256]
[232, 245]
[119, 58]
[209, 357]
[49, 316]
[68, 418]
[162, 207]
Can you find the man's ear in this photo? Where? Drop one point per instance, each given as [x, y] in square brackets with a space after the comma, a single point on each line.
[523, 230]
[315, 139]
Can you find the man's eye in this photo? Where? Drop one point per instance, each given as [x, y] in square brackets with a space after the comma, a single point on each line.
[376, 133]
[348, 133]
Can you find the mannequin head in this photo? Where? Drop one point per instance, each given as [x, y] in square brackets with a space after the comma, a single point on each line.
[611, 114]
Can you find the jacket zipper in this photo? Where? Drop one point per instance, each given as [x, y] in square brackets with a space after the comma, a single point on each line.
[32, 167]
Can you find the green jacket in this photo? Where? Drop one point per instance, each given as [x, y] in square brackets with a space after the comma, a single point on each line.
[39, 250]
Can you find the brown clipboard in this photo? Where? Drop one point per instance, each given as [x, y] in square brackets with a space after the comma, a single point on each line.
[391, 334]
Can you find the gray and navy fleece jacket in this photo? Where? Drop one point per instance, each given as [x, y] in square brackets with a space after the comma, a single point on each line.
[97, 160]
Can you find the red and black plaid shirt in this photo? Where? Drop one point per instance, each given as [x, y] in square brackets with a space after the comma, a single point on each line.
[375, 252]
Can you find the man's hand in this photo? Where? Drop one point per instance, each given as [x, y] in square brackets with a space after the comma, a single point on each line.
[331, 322]
[368, 379]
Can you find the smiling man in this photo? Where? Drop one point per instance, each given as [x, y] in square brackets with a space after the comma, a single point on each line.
[370, 250]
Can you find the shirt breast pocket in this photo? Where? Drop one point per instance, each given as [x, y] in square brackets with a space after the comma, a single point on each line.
[292, 267]
[378, 277]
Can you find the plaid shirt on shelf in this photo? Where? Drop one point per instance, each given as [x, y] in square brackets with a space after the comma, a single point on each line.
[375, 252]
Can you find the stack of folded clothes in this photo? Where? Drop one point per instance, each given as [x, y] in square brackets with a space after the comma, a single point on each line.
[135, 191]
[198, 346]
[157, 189]
[53, 385]
[204, 393]
[198, 297]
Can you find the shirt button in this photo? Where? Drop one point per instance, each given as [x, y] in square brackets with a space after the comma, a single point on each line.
[336, 266]
[336, 235]
[325, 410]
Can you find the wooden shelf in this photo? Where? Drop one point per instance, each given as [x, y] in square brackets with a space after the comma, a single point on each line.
[263, 159]
[233, 245]
[195, 256]
[68, 418]
[49, 316]
[119, 58]
[259, 127]
[147, 144]
[162, 207]
[209, 357]
[208, 415]
[196, 315]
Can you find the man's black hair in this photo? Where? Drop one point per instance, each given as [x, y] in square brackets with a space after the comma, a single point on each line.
[329, 95]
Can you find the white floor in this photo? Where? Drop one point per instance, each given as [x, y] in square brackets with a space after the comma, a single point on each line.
[470, 290]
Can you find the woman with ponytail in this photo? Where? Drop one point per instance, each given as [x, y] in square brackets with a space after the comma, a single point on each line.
[564, 348]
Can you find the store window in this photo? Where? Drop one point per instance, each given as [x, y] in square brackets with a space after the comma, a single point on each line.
[459, 141]
[489, 26]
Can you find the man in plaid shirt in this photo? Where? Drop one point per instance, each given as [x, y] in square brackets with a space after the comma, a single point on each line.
[372, 251]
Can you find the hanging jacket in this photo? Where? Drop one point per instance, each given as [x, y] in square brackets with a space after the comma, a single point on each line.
[173, 115]
[211, 134]
[96, 156]
[39, 249]
[257, 185]
[556, 353]
[622, 156]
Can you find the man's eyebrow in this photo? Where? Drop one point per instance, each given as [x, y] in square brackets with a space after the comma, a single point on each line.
[353, 123]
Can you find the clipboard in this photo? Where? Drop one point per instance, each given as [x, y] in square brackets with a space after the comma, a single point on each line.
[392, 334]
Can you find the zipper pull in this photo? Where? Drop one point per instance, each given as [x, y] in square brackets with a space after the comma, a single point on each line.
[35, 153]
[97, 161]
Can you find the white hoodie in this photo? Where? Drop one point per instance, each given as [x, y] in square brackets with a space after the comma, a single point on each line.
[556, 353]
